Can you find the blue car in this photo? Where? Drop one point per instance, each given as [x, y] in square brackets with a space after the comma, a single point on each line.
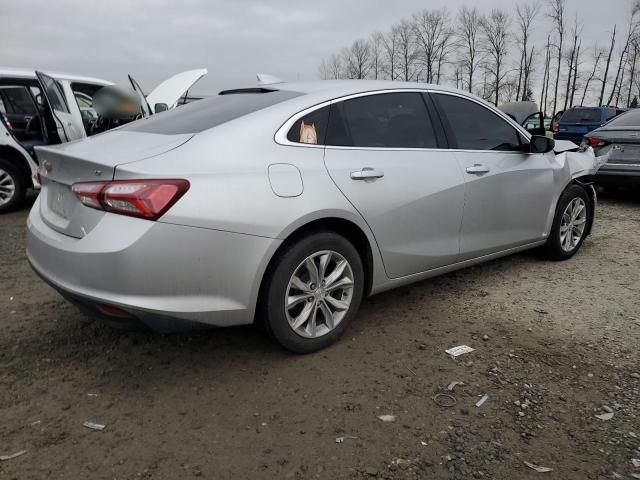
[576, 122]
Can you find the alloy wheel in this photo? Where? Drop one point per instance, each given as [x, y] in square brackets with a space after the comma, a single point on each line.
[573, 223]
[7, 187]
[319, 294]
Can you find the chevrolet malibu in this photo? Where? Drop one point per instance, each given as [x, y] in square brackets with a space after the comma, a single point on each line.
[288, 203]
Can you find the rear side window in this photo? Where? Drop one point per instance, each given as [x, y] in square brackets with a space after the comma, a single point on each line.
[475, 127]
[17, 100]
[311, 128]
[54, 94]
[629, 119]
[581, 115]
[389, 120]
[208, 113]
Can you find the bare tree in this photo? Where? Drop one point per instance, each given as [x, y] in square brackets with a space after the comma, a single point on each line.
[495, 29]
[545, 78]
[376, 43]
[390, 44]
[571, 57]
[525, 15]
[632, 74]
[632, 29]
[597, 56]
[606, 69]
[357, 59]
[576, 64]
[469, 39]
[556, 14]
[331, 68]
[406, 50]
[433, 38]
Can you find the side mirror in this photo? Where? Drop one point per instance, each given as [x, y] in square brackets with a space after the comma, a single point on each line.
[540, 144]
[160, 107]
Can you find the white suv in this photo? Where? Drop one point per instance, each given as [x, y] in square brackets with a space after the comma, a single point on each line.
[39, 108]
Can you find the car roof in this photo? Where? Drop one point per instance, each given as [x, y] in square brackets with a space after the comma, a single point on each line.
[31, 74]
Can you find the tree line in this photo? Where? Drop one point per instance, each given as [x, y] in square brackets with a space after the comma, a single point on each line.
[494, 55]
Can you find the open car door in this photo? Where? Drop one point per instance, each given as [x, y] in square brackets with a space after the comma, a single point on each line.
[67, 124]
[146, 111]
[166, 95]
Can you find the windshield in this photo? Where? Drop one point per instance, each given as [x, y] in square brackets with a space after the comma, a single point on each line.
[211, 112]
[581, 115]
[629, 119]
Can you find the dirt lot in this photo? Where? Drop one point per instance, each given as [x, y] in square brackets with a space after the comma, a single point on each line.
[557, 344]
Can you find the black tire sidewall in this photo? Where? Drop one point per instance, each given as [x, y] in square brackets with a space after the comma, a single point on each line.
[554, 248]
[19, 182]
[287, 263]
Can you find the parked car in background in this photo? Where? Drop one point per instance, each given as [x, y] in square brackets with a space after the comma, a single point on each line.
[289, 203]
[38, 108]
[619, 139]
[576, 122]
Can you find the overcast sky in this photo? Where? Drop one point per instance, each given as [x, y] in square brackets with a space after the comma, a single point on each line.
[152, 39]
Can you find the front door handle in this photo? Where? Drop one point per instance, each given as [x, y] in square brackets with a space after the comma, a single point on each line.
[478, 169]
[367, 173]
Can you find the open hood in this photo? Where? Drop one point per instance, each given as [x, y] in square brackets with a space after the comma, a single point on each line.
[169, 92]
[564, 146]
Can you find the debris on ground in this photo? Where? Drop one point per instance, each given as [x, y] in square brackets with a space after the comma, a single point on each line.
[339, 439]
[387, 418]
[459, 350]
[453, 385]
[540, 310]
[93, 426]
[538, 468]
[635, 462]
[480, 402]
[605, 416]
[444, 400]
[4, 458]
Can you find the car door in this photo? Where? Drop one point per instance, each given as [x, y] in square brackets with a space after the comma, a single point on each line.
[69, 127]
[508, 191]
[383, 154]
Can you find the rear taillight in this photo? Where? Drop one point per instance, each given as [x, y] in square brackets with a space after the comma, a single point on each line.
[594, 142]
[148, 199]
[556, 128]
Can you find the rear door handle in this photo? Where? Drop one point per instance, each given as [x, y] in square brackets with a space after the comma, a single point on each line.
[366, 173]
[478, 169]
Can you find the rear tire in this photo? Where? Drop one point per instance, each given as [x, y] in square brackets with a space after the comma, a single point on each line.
[570, 224]
[305, 312]
[12, 186]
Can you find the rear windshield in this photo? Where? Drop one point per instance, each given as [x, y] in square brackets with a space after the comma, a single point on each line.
[629, 119]
[208, 113]
[581, 115]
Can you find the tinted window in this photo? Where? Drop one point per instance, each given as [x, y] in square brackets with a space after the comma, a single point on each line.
[312, 128]
[54, 94]
[390, 120]
[17, 100]
[208, 113]
[629, 119]
[475, 127]
[581, 115]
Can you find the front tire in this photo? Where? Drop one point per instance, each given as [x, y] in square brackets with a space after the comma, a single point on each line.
[12, 187]
[570, 225]
[314, 292]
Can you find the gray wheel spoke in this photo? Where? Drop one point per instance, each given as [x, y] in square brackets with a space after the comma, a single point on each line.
[343, 282]
[324, 261]
[335, 303]
[300, 320]
[313, 325]
[300, 285]
[336, 274]
[7, 187]
[314, 276]
[294, 300]
[327, 314]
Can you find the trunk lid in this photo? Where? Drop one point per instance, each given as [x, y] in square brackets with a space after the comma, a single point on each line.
[91, 160]
[624, 144]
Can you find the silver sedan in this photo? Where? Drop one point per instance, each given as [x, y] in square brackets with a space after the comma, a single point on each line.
[288, 203]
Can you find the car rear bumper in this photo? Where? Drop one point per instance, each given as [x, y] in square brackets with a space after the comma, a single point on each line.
[619, 174]
[156, 272]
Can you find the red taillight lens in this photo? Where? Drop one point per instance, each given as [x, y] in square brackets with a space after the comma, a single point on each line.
[148, 199]
[595, 142]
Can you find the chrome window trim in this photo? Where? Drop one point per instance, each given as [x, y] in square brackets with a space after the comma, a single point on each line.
[281, 134]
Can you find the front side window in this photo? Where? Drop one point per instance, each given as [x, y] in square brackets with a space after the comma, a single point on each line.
[389, 120]
[54, 94]
[475, 127]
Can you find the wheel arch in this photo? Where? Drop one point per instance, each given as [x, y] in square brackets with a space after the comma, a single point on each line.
[362, 241]
[18, 159]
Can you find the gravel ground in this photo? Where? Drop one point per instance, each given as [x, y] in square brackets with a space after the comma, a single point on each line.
[556, 345]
